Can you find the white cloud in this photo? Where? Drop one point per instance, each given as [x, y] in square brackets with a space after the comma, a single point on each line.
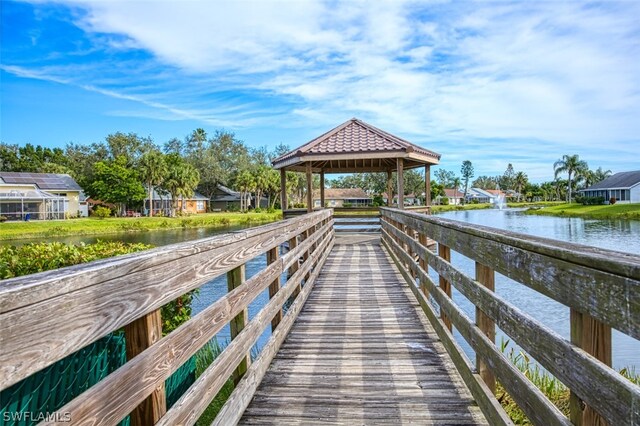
[560, 72]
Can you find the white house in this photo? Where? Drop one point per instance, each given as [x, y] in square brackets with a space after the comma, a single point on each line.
[624, 187]
[338, 197]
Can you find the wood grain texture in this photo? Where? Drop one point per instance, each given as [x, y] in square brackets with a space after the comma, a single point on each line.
[602, 283]
[235, 278]
[105, 403]
[532, 401]
[139, 335]
[361, 352]
[486, 277]
[272, 256]
[601, 387]
[445, 254]
[100, 297]
[193, 403]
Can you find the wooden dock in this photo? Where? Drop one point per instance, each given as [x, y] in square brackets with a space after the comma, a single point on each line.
[361, 352]
[362, 330]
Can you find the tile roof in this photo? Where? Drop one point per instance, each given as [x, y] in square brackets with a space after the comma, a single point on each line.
[452, 193]
[355, 136]
[46, 181]
[619, 180]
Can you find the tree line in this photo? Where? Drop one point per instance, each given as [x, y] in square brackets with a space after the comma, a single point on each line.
[125, 168]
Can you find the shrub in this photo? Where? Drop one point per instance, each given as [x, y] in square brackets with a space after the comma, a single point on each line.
[258, 210]
[444, 201]
[346, 204]
[590, 201]
[299, 205]
[3, 218]
[101, 212]
[271, 210]
[475, 201]
[612, 200]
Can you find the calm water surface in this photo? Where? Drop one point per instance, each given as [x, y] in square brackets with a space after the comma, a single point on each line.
[620, 235]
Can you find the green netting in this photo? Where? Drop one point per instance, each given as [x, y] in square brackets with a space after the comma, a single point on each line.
[51, 388]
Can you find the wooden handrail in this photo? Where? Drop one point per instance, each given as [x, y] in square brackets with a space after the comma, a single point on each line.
[95, 299]
[559, 270]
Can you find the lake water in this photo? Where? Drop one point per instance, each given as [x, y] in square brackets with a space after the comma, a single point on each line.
[621, 235]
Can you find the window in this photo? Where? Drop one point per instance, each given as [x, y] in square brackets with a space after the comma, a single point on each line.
[200, 205]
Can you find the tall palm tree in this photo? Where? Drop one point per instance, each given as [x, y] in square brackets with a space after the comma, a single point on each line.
[181, 181]
[456, 185]
[519, 182]
[572, 166]
[153, 170]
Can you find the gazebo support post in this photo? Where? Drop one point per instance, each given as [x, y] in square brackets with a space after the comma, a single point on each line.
[309, 188]
[322, 205]
[389, 188]
[400, 163]
[283, 189]
[427, 185]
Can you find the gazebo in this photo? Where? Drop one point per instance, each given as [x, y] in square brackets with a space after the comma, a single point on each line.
[356, 147]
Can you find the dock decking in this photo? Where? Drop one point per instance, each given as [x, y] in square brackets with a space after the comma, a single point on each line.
[361, 352]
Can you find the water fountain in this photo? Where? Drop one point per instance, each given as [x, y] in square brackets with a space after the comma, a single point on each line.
[501, 201]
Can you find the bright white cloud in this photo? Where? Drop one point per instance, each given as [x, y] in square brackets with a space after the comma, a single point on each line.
[553, 71]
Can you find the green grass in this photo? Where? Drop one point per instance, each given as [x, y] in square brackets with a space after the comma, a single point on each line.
[534, 204]
[616, 211]
[453, 207]
[552, 388]
[95, 226]
[204, 358]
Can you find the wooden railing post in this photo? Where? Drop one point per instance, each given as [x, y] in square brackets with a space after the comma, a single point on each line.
[593, 337]
[422, 238]
[236, 278]
[293, 243]
[445, 253]
[272, 256]
[139, 335]
[486, 277]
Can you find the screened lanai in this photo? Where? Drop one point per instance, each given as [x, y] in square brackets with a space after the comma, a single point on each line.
[32, 203]
[356, 147]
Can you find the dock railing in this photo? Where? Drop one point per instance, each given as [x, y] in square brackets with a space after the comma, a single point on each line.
[46, 317]
[600, 287]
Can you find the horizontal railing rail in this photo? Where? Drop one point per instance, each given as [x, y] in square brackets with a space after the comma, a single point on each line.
[601, 287]
[47, 316]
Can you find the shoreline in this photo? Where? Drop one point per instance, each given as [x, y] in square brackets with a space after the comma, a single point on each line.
[603, 212]
[13, 231]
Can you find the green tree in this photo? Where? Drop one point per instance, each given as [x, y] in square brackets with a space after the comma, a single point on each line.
[181, 180]
[520, 181]
[245, 183]
[467, 173]
[153, 170]
[485, 182]
[444, 177]
[572, 166]
[456, 183]
[507, 179]
[116, 183]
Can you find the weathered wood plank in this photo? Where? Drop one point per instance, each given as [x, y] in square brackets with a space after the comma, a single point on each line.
[101, 404]
[529, 398]
[235, 278]
[590, 280]
[89, 305]
[139, 335]
[486, 277]
[272, 256]
[193, 403]
[601, 387]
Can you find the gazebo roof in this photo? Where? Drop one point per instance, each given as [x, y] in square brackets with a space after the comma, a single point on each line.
[355, 146]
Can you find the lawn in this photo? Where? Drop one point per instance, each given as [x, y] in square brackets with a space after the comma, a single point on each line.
[96, 226]
[616, 211]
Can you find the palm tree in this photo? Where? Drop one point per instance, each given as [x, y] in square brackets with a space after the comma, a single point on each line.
[456, 185]
[181, 181]
[246, 183]
[572, 165]
[519, 182]
[153, 170]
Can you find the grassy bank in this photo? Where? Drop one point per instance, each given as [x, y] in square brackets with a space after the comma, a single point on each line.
[616, 211]
[95, 226]
[452, 207]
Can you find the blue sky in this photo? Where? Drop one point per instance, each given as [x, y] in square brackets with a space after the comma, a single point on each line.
[492, 82]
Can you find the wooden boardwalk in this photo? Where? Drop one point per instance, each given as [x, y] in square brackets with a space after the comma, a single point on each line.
[361, 352]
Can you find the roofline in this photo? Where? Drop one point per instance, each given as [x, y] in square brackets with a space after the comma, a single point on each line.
[608, 188]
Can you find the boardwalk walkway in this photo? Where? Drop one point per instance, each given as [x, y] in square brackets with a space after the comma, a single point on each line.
[361, 352]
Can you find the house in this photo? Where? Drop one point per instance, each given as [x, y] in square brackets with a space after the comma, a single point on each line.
[224, 198]
[25, 196]
[454, 195]
[484, 195]
[343, 197]
[624, 187]
[163, 203]
[409, 199]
